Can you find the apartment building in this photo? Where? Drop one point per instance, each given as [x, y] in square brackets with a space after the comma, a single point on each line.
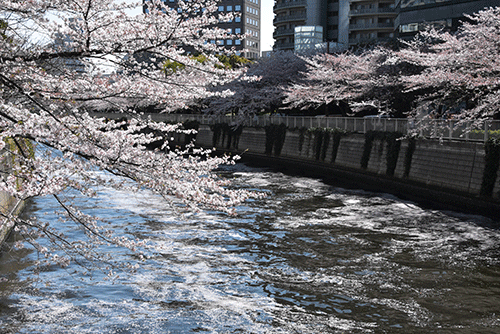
[371, 21]
[345, 22]
[246, 22]
[415, 15]
[288, 15]
[355, 22]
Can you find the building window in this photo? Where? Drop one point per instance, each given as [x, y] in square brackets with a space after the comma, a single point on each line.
[237, 19]
[229, 8]
[408, 27]
[221, 8]
[237, 42]
[237, 30]
[237, 8]
[229, 42]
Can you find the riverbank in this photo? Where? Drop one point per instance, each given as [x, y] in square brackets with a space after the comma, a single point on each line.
[427, 196]
[450, 175]
[9, 206]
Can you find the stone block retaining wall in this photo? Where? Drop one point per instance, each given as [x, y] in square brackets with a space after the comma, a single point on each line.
[8, 205]
[452, 166]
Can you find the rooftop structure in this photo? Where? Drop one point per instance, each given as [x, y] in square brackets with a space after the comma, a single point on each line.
[308, 37]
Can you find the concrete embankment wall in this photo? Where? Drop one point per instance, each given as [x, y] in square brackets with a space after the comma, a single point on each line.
[446, 173]
[8, 205]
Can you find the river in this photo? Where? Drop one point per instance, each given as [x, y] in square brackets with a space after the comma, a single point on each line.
[308, 258]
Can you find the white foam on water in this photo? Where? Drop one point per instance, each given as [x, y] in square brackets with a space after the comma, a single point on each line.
[206, 275]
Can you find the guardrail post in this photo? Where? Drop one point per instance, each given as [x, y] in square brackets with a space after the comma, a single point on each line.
[486, 129]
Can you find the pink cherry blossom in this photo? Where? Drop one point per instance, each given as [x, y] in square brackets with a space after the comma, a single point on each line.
[52, 74]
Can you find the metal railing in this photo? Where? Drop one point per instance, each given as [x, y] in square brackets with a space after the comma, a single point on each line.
[286, 18]
[284, 46]
[379, 10]
[368, 40]
[289, 4]
[428, 128]
[283, 32]
[378, 25]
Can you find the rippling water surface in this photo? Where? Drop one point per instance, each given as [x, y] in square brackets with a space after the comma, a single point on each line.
[309, 258]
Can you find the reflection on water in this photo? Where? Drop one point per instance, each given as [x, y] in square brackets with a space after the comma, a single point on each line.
[309, 258]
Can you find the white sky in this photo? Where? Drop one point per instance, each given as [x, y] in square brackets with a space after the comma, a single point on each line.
[266, 25]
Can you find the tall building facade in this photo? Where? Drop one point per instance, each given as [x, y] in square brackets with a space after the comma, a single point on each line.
[371, 20]
[288, 15]
[246, 23]
[415, 15]
[354, 22]
[345, 22]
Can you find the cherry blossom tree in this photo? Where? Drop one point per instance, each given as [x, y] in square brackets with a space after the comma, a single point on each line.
[367, 80]
[331, 78]
[261, 89]
[52, 74]
[460, 70]
[452, 74]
